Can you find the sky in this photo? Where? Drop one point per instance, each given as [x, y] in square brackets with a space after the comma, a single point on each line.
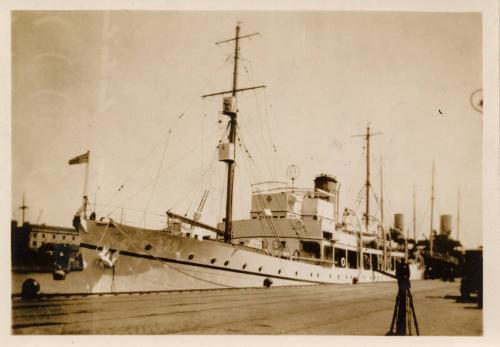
[127, 86]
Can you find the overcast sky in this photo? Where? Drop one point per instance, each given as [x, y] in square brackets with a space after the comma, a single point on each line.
[115, 83]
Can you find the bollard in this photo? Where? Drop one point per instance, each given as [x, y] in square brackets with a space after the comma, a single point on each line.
[30, 289]
[268, 282]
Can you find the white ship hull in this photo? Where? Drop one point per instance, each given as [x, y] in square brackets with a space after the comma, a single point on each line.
[151, 260]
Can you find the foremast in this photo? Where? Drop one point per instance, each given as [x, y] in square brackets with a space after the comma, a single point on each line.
[227, 150]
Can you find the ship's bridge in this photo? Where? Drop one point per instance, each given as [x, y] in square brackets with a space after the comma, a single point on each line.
[278, 200]
[275, 199]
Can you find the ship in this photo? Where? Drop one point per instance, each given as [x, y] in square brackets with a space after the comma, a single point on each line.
[293, 236]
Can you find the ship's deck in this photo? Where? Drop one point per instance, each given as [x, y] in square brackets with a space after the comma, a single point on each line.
[363, 309]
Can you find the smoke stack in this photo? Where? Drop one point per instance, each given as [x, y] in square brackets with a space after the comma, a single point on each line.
[399, 221]
[445, 225]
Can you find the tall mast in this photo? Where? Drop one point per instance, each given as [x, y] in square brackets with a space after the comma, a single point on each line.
[458, 216]
[431, 240]
[381, 194]
[230, 110]
[367, 182]
[414, 216]
[23, 208]
[232, 136]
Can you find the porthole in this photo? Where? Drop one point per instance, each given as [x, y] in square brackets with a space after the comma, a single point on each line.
[260, 268]
[226, 263]
[279, 271]
[191, 256]
[148, 247]
[212, 260]
[311, 274]
[244, 266]
[330, 276]
[296, 273]
[317, 275]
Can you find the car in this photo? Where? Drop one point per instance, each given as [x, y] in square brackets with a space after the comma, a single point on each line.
[472, 275]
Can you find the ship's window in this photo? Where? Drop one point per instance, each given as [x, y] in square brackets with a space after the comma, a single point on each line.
[279, 271]
[73, 238]
[366, 261]
[310, 249]
[327, 235]
[206, 237]
[340, 257]
[64, 237]
[283, 244]
[148, 247]
[191, 256]
[244, 266]
[34, 234]
[352, 259]
[260, 268]
[393, 263]
[317, 275]
[53, 237]
[226, 263]
[311, 274]
[34, 243]
[242, 243]
[328, 252]
[296, 273]
[43, 235]
[375, 263]
[188, 234]
[212, 260]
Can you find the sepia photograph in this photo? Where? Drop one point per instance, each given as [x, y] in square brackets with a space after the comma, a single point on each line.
[247, 172]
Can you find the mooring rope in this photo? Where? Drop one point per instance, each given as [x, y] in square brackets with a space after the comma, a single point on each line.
[165, 263]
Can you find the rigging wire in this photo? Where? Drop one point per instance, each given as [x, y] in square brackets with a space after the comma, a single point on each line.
[264, 122]
[268, 219]
[205, 173]
[157, 173]
[124, 183]
[354, 181]
[185, 155]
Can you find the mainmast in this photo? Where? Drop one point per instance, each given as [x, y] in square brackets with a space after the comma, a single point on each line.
[227, 150]
[414, 216]
[23, 208]
[431, 238]
[381, 194]
[458, 216]
[367, 182]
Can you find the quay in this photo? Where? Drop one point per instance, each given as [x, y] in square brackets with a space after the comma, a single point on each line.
[362, 309]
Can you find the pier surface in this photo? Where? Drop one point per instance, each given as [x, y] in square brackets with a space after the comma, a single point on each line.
[362, 309]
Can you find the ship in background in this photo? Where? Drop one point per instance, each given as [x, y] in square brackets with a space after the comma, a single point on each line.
[443, 255]
[293, 236]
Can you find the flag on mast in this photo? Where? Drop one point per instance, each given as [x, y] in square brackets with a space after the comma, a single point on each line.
[81, 159]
